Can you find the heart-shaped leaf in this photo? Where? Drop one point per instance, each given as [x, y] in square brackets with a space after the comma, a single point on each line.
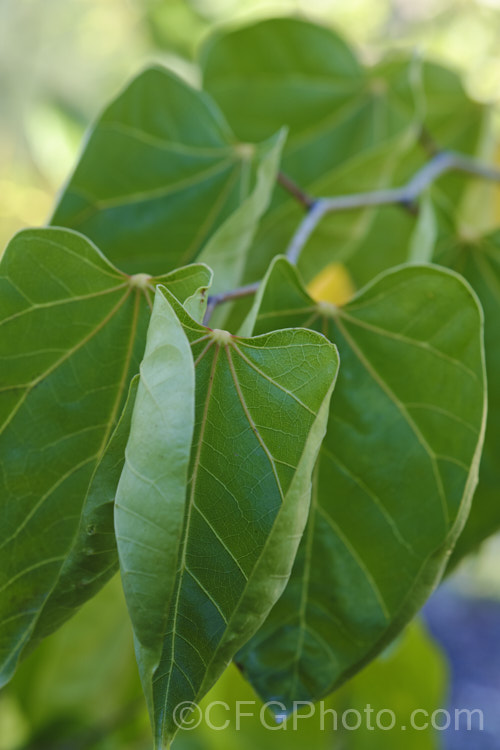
[289, 71]
[160, 174]
[352, 128]
[394, 478]
[304, 76]
[73, 329]
[206, 545]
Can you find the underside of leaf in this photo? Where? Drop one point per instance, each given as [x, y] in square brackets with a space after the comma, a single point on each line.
[394, 478]
[259, 415]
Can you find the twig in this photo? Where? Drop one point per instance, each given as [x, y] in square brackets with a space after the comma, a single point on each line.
[446, 161]
[295, 191]
[217, 299]
[406, 196]
[428, 143]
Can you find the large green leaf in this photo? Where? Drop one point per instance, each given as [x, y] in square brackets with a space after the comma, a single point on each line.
[72, 333]
[304, 76]
[92, 557]
[479, 261]
[288, 71]
[203, 561]
[291, 72]
[351, 128]
[150, 498]
[395, 475]
[160, 174]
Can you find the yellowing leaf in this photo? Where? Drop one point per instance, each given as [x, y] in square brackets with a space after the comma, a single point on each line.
[332, 284]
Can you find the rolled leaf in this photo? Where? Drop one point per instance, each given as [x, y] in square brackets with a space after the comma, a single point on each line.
[202, 567]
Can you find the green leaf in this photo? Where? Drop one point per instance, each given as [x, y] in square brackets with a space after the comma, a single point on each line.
[409, 676]
[85, 674]
[161, 172]
[351, 129]
[92, 558]
[72, 335]
[260, 408]
[149, 506]
[478, 259]
[286, 72]
[226, 252]
[423, 240]
[395, 475]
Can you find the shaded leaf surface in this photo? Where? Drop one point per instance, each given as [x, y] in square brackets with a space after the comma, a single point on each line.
[92, 558]
[72, 335]
[479, 261]
[160, 174]
[351, 128]
[411, 672]
[260, 412]
[394, 478]
[306, 77]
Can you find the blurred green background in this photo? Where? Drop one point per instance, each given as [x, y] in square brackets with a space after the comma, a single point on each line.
[60, 61]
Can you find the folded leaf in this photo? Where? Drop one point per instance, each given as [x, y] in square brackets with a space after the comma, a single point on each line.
[226, 251]
[72, 333]
[161, 172]
[149, 508]
[203, 566]
[394, 478]
[423, 241]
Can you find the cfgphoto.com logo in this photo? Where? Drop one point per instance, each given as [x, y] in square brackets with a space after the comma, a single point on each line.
[219, 715]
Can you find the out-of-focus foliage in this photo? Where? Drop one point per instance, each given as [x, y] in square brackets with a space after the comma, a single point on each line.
[80, 686]
[60, 59]
[90, 698]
